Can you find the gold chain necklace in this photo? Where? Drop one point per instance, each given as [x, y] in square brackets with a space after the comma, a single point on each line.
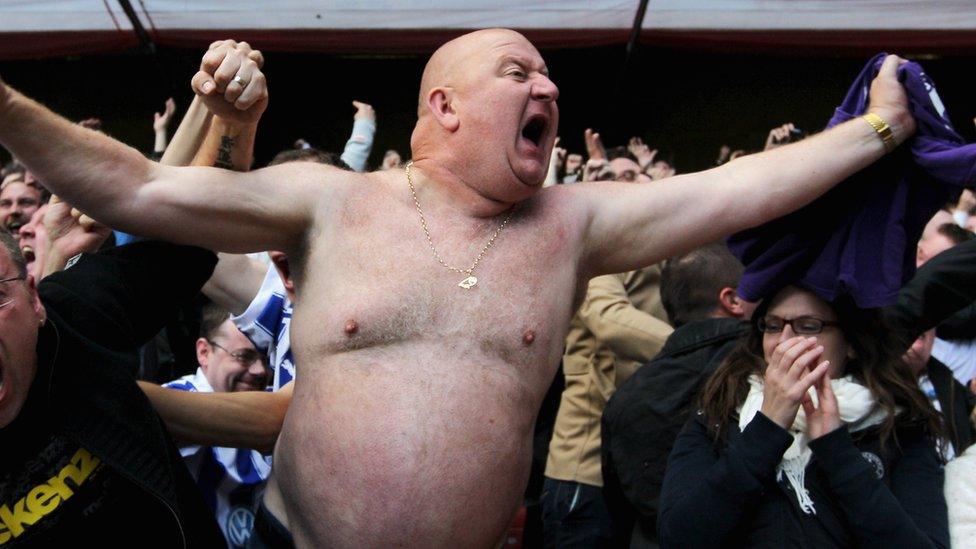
[470, 280]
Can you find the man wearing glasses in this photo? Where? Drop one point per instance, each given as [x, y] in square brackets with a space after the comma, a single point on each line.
[85, 457]
[230, 479]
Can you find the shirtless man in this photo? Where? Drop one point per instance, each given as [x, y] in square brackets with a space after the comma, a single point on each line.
[412, 422]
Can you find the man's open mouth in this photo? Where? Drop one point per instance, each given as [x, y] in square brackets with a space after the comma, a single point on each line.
[535, 129]
[28, 253]
[14, 226]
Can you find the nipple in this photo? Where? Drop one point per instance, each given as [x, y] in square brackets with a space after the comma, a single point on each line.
[351, 327]
[528, 337]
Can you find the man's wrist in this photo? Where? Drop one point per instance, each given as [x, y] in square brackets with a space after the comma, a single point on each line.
[231, 127]
[236, 141]
[54, 261]
[900, 122]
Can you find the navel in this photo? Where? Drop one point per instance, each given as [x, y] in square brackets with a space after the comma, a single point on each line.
[351, 327]
[528, 337]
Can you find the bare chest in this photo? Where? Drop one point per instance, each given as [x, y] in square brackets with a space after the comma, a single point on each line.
[372, 281]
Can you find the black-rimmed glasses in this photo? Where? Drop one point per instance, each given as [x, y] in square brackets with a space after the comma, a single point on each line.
[803, 325]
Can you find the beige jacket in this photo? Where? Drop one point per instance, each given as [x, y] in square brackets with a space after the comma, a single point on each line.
[620, 325]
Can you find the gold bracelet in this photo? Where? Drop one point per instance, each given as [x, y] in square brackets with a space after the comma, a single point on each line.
[883, 129]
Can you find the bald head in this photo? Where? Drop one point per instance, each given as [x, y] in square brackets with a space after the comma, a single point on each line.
[487, 115]
[446, 66]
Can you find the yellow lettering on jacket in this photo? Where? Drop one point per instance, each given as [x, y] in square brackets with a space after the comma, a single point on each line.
[45, 498]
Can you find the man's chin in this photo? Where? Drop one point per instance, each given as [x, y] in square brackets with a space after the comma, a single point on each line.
[248, 387]
[530, 173]
[533, 180]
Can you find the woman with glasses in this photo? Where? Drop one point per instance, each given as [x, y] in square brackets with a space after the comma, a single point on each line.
[812, 433]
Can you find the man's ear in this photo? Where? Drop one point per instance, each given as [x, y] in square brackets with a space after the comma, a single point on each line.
[730, 303]
[281, 264]
[203, 353]
[35, 298]
[440, 101]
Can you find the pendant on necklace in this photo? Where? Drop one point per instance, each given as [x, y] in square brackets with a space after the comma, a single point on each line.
[468, 282]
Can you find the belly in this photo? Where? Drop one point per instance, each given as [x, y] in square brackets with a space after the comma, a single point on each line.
[406, 446]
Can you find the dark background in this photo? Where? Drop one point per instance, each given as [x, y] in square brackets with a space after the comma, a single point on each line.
[683, 102]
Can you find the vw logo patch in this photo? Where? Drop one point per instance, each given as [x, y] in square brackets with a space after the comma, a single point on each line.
[239, 524]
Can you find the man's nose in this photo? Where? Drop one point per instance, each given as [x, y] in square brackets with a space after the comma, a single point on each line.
[257, 369]
[544, 89]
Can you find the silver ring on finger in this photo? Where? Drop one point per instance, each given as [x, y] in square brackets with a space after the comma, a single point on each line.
[240, 81]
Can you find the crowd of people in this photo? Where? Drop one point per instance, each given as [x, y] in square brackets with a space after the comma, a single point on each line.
[322, 352]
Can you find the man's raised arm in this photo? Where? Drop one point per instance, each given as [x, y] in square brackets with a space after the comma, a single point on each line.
[218, 209]
[633, 226]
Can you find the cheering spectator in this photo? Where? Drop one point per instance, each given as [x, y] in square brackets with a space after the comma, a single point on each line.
[231, 479]
[19, 199]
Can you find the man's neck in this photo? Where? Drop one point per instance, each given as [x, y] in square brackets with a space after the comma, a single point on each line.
[439, 187]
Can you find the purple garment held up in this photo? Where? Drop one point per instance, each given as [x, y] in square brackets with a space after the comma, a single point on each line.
[859, 238]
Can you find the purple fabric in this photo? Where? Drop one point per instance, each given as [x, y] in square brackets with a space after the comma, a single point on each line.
[859, 238]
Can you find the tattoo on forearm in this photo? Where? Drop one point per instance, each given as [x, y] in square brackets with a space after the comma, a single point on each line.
[223, 153]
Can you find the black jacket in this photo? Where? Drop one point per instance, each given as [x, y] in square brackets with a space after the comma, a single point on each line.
[644, 416]
[99, 311]
[957, 404]
[727, 495]
[941, 288]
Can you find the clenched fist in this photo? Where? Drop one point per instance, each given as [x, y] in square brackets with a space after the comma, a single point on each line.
[230, 81]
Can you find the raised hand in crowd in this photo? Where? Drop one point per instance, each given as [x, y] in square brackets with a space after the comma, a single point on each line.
[233, 88]
[363, 111]
[558, 154]
[597, 166]
[594, 145]
[360, 143]
[660, 170]
[161, 122]
[556, 159]
[596, 169]
[56, 233]
[779, 136]
[967, 200]
[230, 81]
[574, 162]
[644, 154]
[964, 208]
